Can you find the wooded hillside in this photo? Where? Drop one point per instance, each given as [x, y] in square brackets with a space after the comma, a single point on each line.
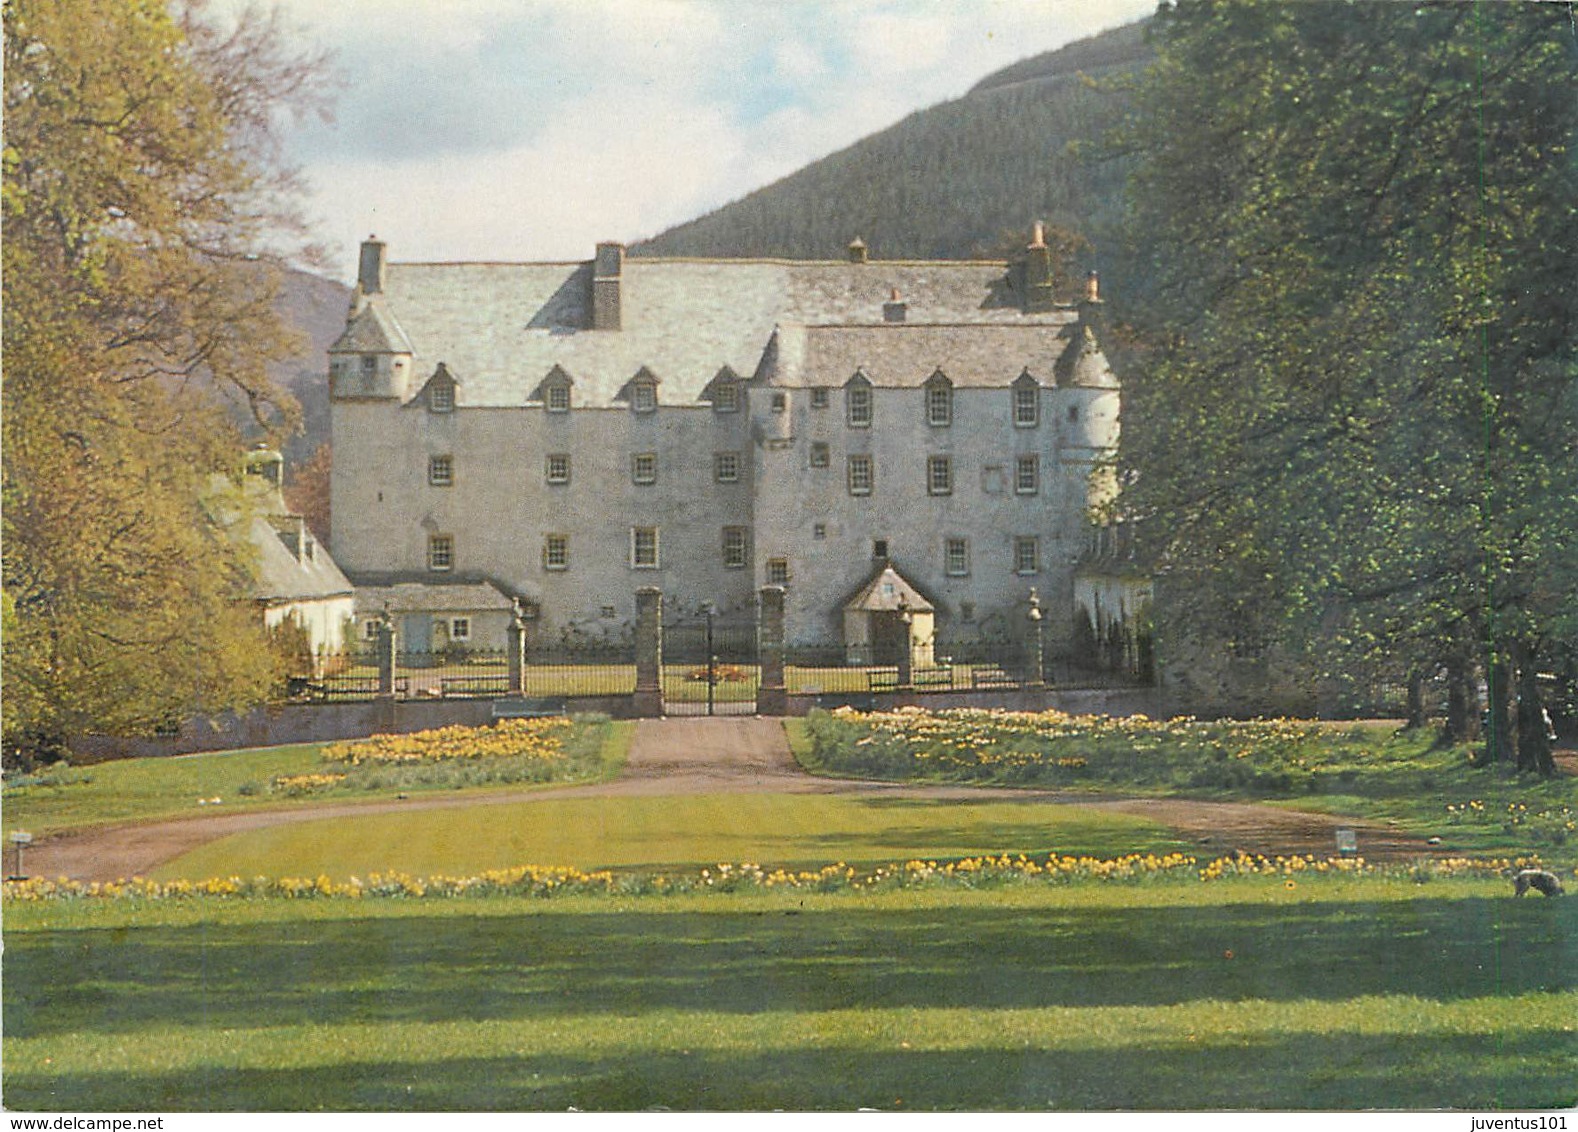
[959, 179]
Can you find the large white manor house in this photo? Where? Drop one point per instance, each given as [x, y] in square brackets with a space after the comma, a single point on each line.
[567, 433]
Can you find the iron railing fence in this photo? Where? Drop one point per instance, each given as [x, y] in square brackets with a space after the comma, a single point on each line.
[470, 674]
[581, 669]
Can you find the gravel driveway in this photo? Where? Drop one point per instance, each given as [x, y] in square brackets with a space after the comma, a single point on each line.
[710, 756]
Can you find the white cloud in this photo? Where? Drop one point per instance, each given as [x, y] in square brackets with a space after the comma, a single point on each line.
[502, 129]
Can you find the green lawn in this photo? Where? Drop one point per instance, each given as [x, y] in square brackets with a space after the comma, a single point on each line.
[587, 833]
[1343, 994]
[1371, 772]
[145, 789]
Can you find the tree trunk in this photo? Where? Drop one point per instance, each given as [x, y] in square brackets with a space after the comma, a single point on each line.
[1416, 700]
[1498, 736]
[1534, 741]
[1462, 721]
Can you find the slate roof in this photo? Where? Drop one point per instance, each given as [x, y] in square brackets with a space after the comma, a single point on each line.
[501, 328]
[265, 524]
[432, 597]
[1084, 364]
[906, 354]
[282, 577]
[884, 592]
[372, 330]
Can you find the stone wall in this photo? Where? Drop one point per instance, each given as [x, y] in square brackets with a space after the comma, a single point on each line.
[314, 723]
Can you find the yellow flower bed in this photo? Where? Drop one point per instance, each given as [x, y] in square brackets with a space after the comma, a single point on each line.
[971, 872]
[508, 739]
[306, 783]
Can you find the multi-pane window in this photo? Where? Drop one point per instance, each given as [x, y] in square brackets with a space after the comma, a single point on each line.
[726, 398]
[441, 397]
[1027, 475]
[460, 628]
[1027, 555]
[777, 571]
[1027, 405]
[734, 555]
[643, 397]
[857, 404]
[440, 552]
[369, 365]
[370, 629]
[440, 470]
[860, 475]
[939, 404]
[643, 467]
[726, 467]
[939, 475]
[818, 530]
[780, 402]
[644, 548]
[956, 556]
[558, 398]
[557, 467]
[556, 552]
[879, 548]
[819, 398]
[820, 456]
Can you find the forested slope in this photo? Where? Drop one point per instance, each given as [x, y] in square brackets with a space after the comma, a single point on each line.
[963, 178]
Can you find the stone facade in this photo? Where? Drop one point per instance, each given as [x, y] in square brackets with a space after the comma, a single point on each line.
[570, 433]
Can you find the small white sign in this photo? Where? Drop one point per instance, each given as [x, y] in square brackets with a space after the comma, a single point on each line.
[18, 837]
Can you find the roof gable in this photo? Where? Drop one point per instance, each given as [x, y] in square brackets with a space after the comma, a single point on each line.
[372, 330]
[888, 591]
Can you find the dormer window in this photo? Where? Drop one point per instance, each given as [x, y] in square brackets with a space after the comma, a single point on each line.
[1027, 402]
[557, 398]
[726, 398]
[441, 397]
[643, 397]
[857, 401]
[939, 401]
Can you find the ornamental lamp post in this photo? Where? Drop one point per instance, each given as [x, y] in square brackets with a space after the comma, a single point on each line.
[710, 611]
[1033, 615]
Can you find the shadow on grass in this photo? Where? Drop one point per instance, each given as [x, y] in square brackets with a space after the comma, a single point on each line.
[1298, 1072]
[464, 968]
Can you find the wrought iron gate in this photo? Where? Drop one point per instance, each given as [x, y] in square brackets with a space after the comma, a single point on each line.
[710, 665]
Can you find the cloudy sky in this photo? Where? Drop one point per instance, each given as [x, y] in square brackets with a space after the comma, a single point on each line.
[530, 129]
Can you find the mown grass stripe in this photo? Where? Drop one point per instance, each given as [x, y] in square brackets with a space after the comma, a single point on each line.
[1121, 1027]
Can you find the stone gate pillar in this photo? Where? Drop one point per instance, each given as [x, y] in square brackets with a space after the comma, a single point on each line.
[384, 704]
[648, 698]
[772, 698]
[386, 654]
[515, 651]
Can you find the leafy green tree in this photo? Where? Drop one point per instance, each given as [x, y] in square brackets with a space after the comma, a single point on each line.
[1352, 436]
[142, 189]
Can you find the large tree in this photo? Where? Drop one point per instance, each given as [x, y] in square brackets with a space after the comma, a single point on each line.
[1353, 437]
[144, 205]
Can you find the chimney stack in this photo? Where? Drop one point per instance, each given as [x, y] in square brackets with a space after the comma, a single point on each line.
[1038, 272]
[895, 309]
[857, 250]
[370, 273]
[607, 269]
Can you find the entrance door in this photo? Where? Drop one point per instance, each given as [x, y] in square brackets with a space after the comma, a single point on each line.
[890, 636]
[416, 633]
